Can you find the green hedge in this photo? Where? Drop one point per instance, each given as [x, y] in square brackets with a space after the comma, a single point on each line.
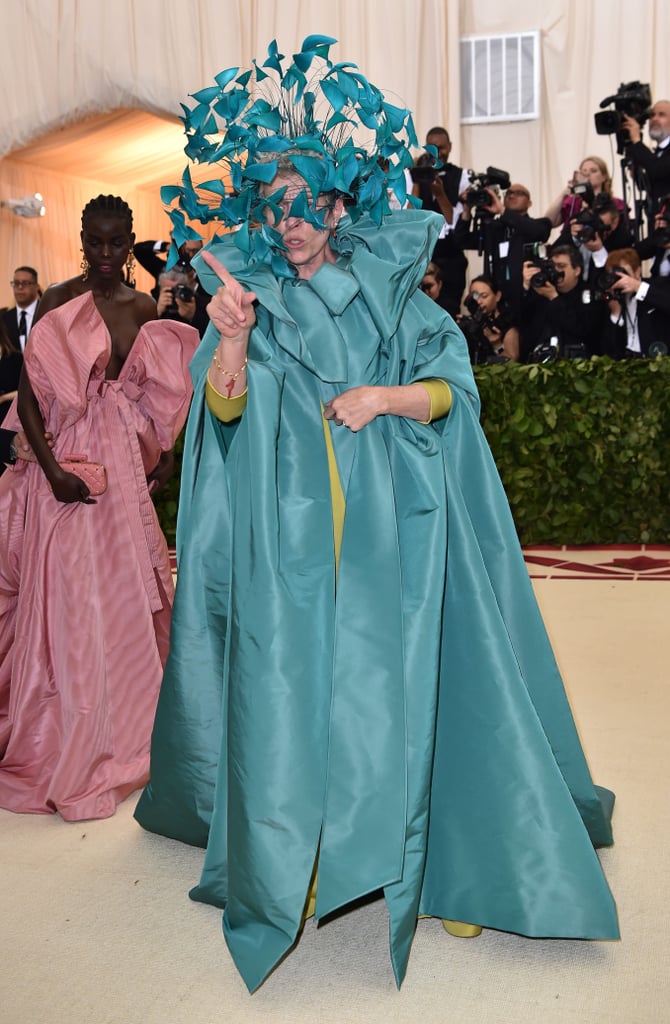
[582, 446]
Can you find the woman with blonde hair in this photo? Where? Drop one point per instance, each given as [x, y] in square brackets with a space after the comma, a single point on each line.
[592, 172]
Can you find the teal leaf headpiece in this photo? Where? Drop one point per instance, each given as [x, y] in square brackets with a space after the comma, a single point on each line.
[336, 128]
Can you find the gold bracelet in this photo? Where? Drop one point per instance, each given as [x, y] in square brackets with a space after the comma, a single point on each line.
[233, 376]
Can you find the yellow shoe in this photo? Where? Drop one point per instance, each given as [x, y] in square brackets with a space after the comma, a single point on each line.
[461, 930]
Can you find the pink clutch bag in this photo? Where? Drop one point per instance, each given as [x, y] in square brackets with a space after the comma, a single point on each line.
[93, 474]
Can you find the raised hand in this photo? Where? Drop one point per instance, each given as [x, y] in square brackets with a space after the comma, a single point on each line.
[232, 308]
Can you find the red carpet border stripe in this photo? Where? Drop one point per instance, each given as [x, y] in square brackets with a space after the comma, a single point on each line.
[616, 562]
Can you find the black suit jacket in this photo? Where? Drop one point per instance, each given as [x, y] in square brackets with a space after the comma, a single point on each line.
[151, 261]
[10, 321]
[653, 322]
[448, 256]
[656, 168]
[620, 238]
[567, 317]
[511, 230]
[647, 249]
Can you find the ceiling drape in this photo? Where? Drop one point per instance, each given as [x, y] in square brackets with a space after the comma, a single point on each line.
[92, 91]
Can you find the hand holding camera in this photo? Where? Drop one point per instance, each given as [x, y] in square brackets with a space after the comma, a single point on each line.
[175, 297]
[483, 195]
[540, 274]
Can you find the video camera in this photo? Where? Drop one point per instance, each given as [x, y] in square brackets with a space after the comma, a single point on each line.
[477, 195]
[631, 98]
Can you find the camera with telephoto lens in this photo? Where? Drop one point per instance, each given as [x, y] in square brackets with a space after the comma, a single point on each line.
[547, 273]
[183, 292]
[603, 285]
[477, 195]
[631, 98]
[590, 225]
[425, 169]
[473, 327]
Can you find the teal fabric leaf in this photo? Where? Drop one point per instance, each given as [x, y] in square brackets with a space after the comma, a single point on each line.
[260, 74]
[206, 95]
[169, 193]
[333, 94]
[216, 186]
[274, 58]
[261, 172]
[225, 77]
[337, 118]
[320, 44]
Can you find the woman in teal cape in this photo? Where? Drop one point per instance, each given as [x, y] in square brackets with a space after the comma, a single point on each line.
[397, 719]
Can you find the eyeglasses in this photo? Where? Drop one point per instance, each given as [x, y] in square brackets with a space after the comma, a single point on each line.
[22, 284]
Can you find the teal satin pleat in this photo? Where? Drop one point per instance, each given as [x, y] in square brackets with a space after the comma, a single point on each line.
[411, 730]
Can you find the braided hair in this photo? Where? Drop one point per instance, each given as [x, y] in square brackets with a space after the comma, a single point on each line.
[111, 206]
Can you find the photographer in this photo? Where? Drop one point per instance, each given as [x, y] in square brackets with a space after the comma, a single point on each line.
[639, 322]
[499, 229]
[596, 231]
[180, 298]
[656, 163]
[591, 180]
[488, 330]
[152, 255]
[557, 322]
[433, 286]
[439, 190]
[656, 247]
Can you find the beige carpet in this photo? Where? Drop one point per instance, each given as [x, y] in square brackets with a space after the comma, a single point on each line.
[97, 927]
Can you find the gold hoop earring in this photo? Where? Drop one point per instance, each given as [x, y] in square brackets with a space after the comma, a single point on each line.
[130, 269]
[85, 266]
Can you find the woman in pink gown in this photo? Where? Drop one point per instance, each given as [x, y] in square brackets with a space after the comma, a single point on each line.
[85, 583]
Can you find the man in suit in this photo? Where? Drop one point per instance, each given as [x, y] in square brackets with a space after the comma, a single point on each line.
[597, 232]
[440, 191]
[639, 310]
[558, 318]
[19, 319]
[152, 255]
[500, 230]
[655, 163]
[656, 247]
[173, 303]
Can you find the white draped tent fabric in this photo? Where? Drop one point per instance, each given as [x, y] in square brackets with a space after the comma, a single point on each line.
[65, 61]
[92, 91]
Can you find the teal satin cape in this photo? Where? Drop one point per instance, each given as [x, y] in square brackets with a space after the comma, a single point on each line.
[413, 733]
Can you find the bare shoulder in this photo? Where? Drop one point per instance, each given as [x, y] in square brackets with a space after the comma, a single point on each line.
[57, 295]
[145, 307]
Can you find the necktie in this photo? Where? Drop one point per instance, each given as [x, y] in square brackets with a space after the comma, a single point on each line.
[23, 327]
